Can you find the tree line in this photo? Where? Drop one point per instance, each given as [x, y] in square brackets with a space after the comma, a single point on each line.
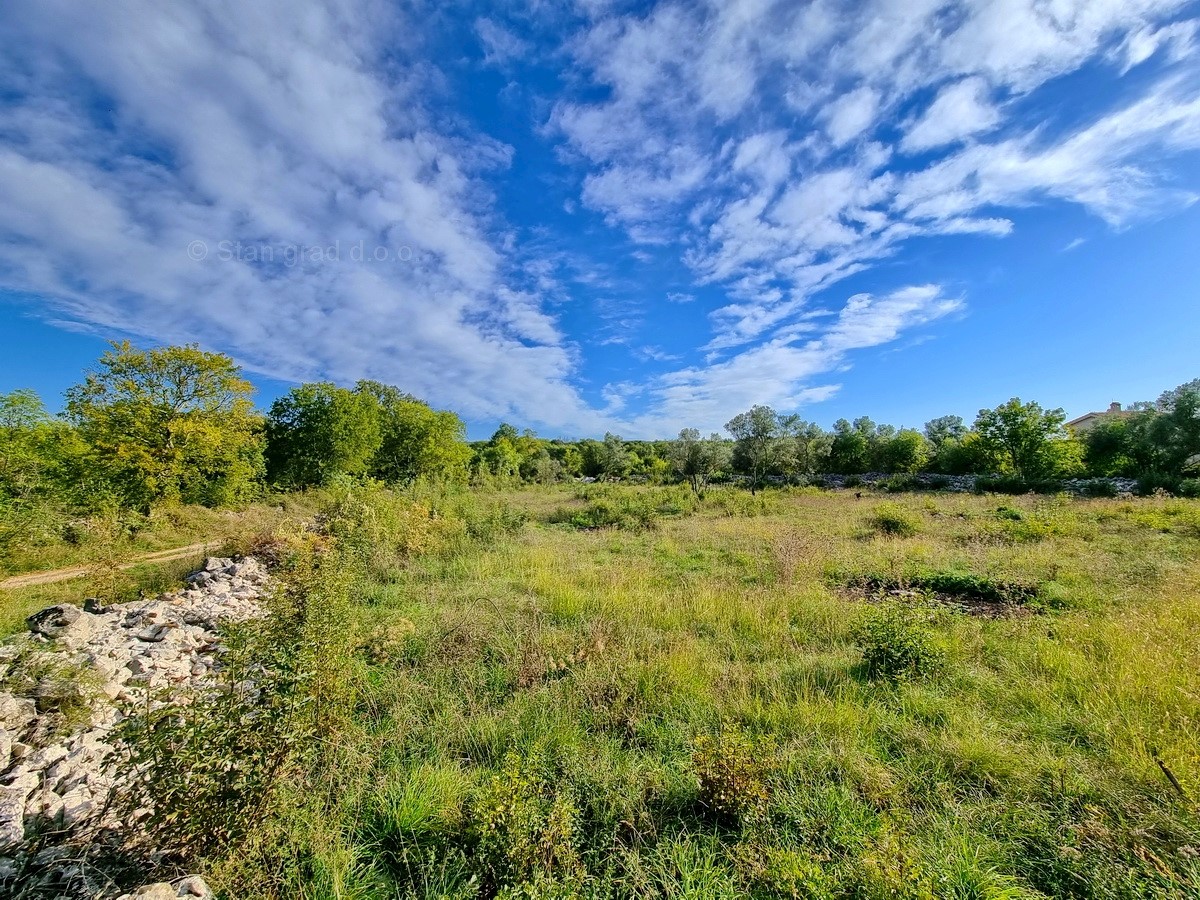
[178, 424]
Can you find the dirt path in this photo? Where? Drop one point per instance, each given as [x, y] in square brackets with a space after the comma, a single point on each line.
[31, 578]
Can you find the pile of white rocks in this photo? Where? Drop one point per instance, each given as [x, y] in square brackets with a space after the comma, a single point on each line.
[128, 654]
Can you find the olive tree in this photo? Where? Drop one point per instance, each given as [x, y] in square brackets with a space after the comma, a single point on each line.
[756, 434]
[695, 459]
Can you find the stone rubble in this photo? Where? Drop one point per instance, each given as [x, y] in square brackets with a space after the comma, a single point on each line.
[131, 652]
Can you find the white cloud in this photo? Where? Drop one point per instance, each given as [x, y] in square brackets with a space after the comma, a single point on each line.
[1178, 39]
[960, 110]
[500, 45]
[780, 371]
[851, 114]
[804, 188]
[262, 128]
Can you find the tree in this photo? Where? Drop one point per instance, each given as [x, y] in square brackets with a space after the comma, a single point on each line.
[1160, 439]
[173, 423]
[415, 441]
[904, 453]
[850, 449]
[944, 428]
[696, 459]
[755, 435]
[806, 446]
[1177, 430]
[318, 431]
[40, 455]
[612, 457]
[1026, 439]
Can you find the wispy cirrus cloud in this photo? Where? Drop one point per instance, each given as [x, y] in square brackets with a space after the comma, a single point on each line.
[821, 138]
[746, 158]
[145, 130]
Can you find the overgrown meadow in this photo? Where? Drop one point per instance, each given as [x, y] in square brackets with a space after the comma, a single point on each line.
[611, 691]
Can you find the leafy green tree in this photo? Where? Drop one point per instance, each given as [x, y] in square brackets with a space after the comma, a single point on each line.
[850, 449]
[756, 434]
[173, 423]
[1150, 439]
[613, 458]
[500, 457]
[318, 431]
[1028, 441]
[25, 466]
[806, 446]
[1177, 430]
[695, 459]
[944, 428]
[415, 441]
[963, 456]
[905, 452]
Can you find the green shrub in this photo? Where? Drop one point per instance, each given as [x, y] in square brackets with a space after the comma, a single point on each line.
[525, 827]
[494, 521]
[625, 508]
[897, 644]
[893, 520]
[1152, 482]
[948, 582]
[731, 775]
[1007, 484]
[1189, 487]
[736, 502]
[209, 766]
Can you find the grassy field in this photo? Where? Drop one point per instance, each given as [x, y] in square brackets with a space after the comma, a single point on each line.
[624, 692]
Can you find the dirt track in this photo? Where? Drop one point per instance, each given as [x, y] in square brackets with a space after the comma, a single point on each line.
[31, 578]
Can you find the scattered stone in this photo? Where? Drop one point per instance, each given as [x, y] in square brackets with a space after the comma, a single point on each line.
[57, 620]
[12, 817]
[51, 782]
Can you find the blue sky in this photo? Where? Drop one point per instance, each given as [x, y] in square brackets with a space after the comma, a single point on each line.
[608, 216]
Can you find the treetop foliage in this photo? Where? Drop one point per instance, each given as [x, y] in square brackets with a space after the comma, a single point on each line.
[178, 424]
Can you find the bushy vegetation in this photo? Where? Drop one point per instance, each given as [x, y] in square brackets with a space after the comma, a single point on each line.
[474, 688]
[897, 642]
[893, 520]
[721, 706]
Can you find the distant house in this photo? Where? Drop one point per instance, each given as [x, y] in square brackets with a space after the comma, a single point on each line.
[1088, 420]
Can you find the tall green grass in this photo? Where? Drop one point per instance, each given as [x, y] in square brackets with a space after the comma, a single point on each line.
[701, 709]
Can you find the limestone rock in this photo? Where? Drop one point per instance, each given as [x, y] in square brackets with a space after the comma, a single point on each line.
[12, 817]
[57, 621]
[57, 783]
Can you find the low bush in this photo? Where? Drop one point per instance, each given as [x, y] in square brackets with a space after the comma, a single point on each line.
[741, 503]
[210, 765]
[526, 827]
[897, 643]
[894, 521]
[1189, 487]
[1100, 488]
[605, 513]
[950, 583]
[1153, 482]
[731, 774]
[629, 509]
